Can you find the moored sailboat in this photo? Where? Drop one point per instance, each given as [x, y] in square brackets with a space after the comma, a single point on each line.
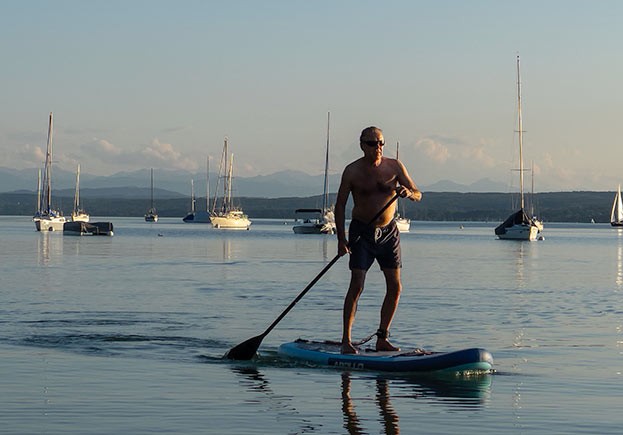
[194, 216]
[46, 218]
[519, 225]
[318, 221]
[403, 223]
[152, 213]
[616, 215]
[227, 216]
[78, 214]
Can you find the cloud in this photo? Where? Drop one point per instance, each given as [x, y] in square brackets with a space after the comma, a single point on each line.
[102, 146]
[479, 154]
[164, 153]
[433, 149]
[156, 154]
[31, 154]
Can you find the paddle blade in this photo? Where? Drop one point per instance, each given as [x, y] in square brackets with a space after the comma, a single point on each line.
[245, 350]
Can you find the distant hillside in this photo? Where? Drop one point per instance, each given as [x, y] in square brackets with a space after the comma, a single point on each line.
[277, 185]
[435, 206]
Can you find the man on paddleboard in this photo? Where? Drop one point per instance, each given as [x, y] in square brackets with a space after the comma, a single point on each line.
[372, 180]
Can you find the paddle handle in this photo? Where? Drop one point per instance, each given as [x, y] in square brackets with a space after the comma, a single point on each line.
[322, 272]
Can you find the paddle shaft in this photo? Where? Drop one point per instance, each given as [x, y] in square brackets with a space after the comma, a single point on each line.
[322, 272]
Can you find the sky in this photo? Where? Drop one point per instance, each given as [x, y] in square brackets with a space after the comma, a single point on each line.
[150, 83]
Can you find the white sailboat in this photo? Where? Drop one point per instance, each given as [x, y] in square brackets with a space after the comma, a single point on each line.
[227, 216]
[314, 220]
[519, 225]
[78, 214]
[403, 223]
[152, 213]
[535, 218]
[616, 215]
[47, 219]
[194, 216]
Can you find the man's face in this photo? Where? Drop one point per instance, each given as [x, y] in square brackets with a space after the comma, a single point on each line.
[372, 144]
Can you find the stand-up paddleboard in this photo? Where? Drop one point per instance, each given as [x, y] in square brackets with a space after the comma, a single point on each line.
[416, 360]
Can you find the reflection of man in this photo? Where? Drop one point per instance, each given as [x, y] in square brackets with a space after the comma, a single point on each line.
[372, 181]
[351, 420]
[387, 411]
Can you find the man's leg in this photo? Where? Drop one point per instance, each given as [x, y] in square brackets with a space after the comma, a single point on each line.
[357, 279]
[388, 309]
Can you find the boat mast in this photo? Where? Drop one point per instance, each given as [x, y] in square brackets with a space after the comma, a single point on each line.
[192, 196]
[520, 126]
[208, 184]
[221, 168]
[325, 198]
[229, 177]
[152, 189]
[227, 174]
[77, 194]
[47, 175]
[39, 191]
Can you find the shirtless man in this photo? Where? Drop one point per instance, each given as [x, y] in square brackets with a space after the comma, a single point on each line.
[372, 180]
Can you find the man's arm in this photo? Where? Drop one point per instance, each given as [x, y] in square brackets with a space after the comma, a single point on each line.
[407, 188]
[340, 214]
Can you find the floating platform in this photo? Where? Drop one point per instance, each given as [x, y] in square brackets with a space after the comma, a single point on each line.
[88, 228]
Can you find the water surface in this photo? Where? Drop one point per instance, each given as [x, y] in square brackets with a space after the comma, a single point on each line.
[104, 335]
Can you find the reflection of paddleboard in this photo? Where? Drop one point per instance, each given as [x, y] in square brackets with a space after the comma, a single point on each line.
[417, 360]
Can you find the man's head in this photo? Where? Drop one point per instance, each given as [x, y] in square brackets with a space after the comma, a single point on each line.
[371, 142]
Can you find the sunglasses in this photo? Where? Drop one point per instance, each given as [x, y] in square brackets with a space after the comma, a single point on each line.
[373, 143]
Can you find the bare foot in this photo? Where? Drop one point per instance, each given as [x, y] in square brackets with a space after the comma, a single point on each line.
[348, 348]
[383, 345]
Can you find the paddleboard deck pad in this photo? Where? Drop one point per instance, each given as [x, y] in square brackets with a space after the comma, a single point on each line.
[327, 353]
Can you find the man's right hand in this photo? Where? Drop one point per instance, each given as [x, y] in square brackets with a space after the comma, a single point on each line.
[342, 248]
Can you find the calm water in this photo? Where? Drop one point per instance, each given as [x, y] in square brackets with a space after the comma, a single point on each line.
[104, 335]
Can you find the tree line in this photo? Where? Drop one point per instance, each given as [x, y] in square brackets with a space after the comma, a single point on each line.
[435, 206]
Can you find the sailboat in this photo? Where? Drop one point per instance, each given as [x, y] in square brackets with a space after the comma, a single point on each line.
[199, 217]
[152, 213]
[47, 219]
[314, 220]
[403, 223]
[535, 219]
[616, 215]
[227, 216]
[519, 225]
[78, 214]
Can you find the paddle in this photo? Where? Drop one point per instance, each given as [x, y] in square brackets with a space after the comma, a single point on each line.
[247, 349]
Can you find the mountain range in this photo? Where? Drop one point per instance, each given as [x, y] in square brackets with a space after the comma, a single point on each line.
[175, 184]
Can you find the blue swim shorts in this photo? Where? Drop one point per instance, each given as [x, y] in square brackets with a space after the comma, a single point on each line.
[375, 243]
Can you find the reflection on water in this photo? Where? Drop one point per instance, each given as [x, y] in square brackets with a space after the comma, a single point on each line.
[226, 249]
[619, 265]
[49, 245]
[461, 393]
[256, 382]
[619, 287]
[388, 417]
[456, 392]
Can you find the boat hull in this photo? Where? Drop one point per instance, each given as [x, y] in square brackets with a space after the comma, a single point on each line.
[80, 217]
[520, 232]
[199, 217]
[230, 222]
[416, 360]
[313, 229]
[151, 216]
[519, 226]
[50, 224]
[403, 224]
